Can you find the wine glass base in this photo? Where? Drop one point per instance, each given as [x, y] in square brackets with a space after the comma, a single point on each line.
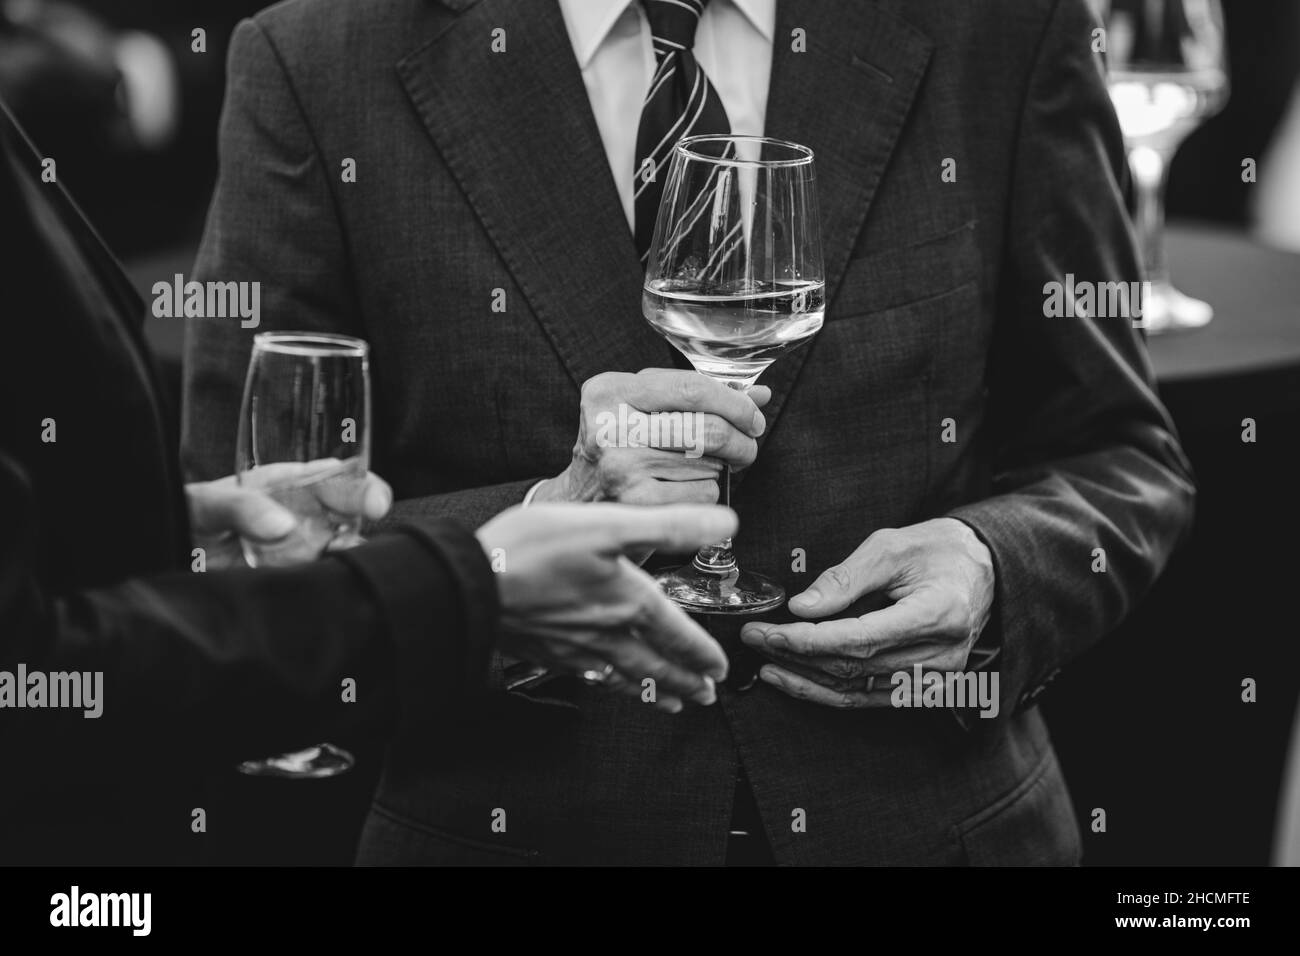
[314, 763]
[737, 592]
[1168, 310]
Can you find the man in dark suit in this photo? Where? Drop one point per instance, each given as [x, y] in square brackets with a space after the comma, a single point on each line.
[197, 670]
[968, 482]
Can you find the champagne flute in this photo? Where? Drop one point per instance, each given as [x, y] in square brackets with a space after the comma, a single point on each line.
[1168, 74]
[304, 440]
[734, 279]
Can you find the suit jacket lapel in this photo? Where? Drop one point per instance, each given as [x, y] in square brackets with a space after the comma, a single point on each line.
[517, 132]
[864, 56]
[549, 202]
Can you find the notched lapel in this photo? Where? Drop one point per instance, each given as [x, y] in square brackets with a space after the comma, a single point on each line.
[516, 130]
[847, 97]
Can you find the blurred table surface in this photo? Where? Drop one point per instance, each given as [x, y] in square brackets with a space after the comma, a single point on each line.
[1247, 360]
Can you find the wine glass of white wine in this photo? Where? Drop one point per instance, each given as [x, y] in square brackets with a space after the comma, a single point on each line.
[734, 279]
[1168, 73]
[304, 440]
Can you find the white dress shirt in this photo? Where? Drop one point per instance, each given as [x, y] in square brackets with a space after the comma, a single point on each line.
[611, 40]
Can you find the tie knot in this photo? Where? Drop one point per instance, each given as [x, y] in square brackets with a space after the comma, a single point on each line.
[673, 23]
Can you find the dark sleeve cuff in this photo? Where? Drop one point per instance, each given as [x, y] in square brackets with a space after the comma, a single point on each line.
[986, 654]
[438, 594]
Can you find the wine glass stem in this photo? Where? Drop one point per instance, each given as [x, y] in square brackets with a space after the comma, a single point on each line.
[1150, 170]
[719, 558]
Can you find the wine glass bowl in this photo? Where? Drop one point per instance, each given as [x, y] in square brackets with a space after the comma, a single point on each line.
[734, 279]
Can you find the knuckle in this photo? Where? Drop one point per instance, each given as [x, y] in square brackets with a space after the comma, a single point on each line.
[838, 577]
[714, 431]
[884, 540]
[596, 388]
[746, 452]
[843, 668]
[657, 669]
[688, 389]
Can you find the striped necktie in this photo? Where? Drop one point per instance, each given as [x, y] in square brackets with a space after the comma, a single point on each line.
[681, 102]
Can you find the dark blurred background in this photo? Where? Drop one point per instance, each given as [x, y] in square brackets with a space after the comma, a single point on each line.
[1187, 773]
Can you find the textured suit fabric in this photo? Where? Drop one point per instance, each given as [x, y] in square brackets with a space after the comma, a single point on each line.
[480, 171]
[199, 670]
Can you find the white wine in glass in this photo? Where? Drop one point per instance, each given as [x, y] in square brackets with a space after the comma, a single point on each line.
[734, 280]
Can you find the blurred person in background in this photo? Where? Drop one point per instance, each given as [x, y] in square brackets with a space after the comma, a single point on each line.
[1205, 177]
[120, 94]
[1277, 202]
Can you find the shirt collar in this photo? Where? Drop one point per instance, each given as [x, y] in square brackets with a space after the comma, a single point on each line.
[589, 21]
[761, 13]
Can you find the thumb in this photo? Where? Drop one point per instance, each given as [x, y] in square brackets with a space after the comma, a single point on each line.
[865, 570]
[217, 509]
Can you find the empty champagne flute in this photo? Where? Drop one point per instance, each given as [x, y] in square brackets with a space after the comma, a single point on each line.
[304, 440]
[734, 279]
[1168, 73]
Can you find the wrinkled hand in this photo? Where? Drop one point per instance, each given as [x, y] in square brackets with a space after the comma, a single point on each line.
[223, 511]
[573, 602]
[681, 464]
[939, 576]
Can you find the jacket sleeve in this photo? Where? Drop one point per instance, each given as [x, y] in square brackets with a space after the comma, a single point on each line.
[246, 662]
[1086, 461]
[274, 220]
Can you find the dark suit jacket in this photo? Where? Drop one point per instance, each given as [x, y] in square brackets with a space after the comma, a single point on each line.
[199, 669]
[479, 171]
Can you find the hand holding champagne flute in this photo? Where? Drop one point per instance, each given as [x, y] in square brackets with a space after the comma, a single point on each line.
[734, 279]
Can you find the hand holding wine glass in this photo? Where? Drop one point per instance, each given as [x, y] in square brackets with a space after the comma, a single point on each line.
[225, 514]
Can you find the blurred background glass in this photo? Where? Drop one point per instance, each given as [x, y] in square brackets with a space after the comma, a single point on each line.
[1167, 64]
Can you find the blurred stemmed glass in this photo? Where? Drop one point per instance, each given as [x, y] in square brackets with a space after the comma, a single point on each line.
[1167, 61]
